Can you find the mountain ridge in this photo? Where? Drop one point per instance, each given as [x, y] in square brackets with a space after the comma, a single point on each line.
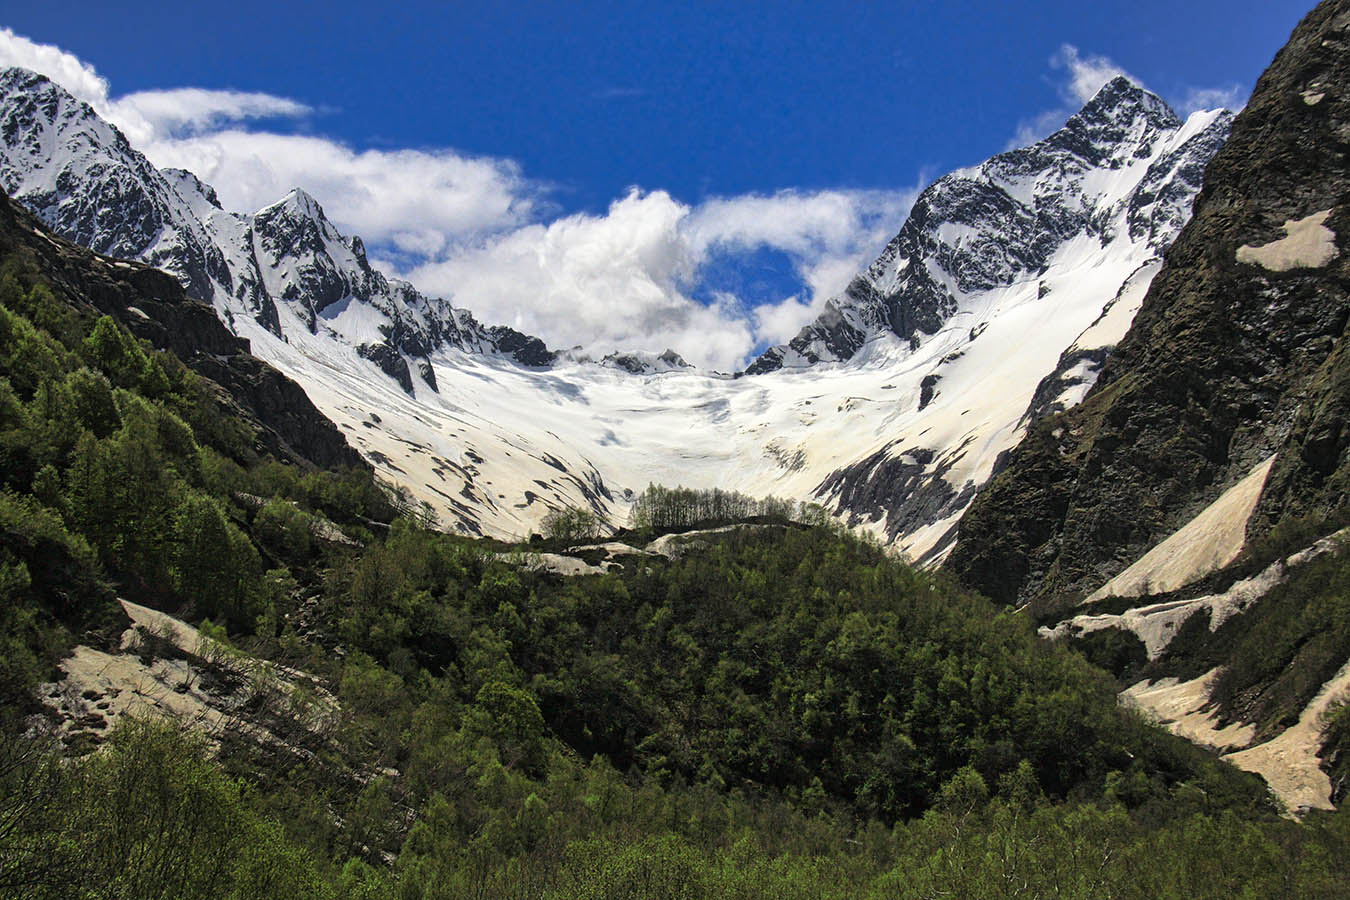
[912, 287]
[82, 177]
[1032, 251]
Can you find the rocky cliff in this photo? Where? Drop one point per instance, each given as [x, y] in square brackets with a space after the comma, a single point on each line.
[1237, 354]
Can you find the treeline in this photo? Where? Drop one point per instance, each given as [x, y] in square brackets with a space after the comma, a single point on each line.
[663, 508]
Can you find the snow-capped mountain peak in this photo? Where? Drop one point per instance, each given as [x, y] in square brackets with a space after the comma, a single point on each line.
[284, 270]
[1123, 163]
[997, 301]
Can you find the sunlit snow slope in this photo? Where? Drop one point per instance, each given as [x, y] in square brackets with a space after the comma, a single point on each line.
[995, 303]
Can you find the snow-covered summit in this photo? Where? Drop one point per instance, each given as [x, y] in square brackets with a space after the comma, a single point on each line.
[1124, 167]
[998, 300]
[286, 267]
[80, 175]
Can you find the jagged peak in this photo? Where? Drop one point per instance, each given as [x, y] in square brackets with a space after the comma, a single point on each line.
[358, 248]
[182, 177]
[302, 201]
[27, 79]
[1121, 99]
[298, 210]
[35, 85]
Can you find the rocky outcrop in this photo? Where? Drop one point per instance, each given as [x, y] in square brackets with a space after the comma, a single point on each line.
[640, 363]
[165, 668]
[1237, 353]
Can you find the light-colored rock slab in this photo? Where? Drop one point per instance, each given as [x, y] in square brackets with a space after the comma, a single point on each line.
[1289, 762]
[1157, 623]
[554, 563]
[611, 549]
[1180, 706]
[674, 545]
[209, 688]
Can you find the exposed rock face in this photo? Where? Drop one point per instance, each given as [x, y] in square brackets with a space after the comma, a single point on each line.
[154, 307]
[1238, 351]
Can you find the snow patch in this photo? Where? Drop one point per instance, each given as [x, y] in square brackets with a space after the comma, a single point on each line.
[1206, 544]
[1180, 706]
[1307, 244]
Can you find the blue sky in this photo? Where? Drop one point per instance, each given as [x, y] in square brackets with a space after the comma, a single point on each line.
[773, 147]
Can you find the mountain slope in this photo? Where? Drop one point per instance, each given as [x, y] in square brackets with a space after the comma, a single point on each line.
[1236, 355]
[996, 302]
[153, 306]
[281, 269]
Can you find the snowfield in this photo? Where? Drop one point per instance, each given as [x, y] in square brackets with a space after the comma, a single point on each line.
[995, 304]
[500, 444]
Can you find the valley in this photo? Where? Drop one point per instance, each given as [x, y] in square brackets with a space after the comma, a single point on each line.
[1022, 570]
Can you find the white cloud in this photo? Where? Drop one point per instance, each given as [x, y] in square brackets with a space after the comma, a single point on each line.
[421, 201]
[625, 279]
[473, 229]
[162, 114]
[1087, 75]
[1233, 97]
[64, 68]
[601, 282]
[144, 116]
[778, 323]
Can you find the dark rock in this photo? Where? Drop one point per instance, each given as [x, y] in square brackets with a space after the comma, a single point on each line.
[427, 374]
[527, 350]
[1226, 362]
[391, 363]
[903, 487]
[926, 389]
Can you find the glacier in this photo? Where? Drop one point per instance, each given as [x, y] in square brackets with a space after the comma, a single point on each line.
[996, 302]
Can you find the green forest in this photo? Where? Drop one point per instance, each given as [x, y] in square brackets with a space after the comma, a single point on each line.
[786, 711]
